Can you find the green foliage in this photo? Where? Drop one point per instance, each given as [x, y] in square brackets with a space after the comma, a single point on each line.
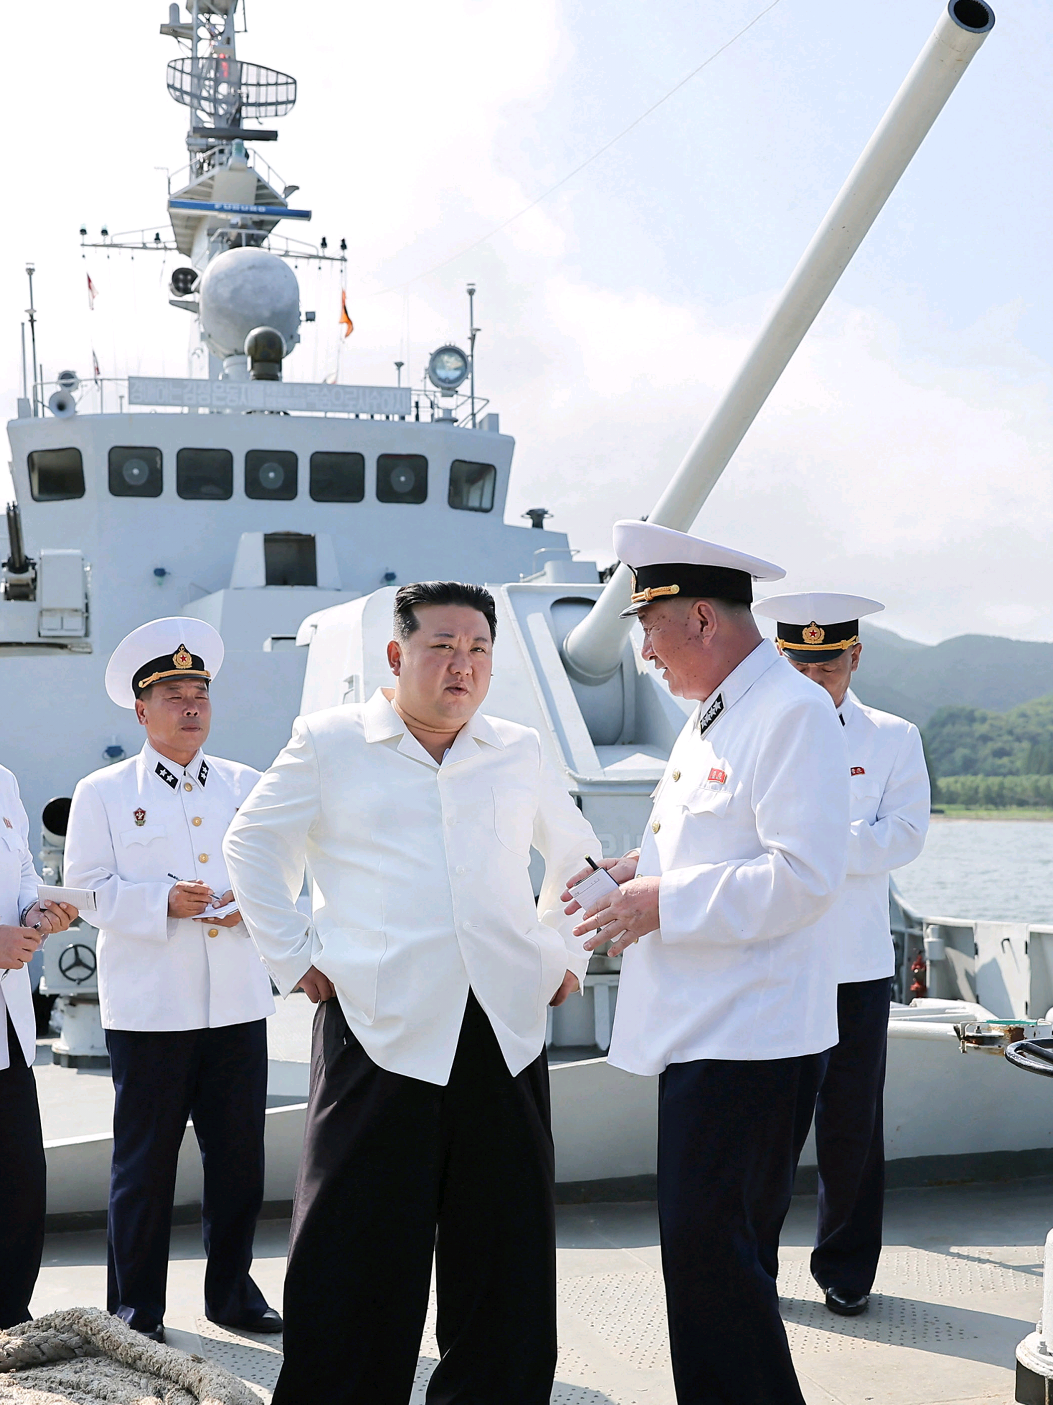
[996, 792]
[969, 741]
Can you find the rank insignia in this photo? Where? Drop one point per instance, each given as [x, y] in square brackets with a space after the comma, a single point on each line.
[7, 823]
[717, 777]
[182, 657]
[813, 633]
[202, 773]
[140, 818]
[166, 775]
[712, 712]
[858, 771]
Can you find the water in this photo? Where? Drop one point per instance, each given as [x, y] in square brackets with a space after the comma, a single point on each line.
[988, 869]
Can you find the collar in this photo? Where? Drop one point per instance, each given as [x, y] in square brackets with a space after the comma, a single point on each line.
[381, 723]
[738, 683]
[848, 708]
[166, 770]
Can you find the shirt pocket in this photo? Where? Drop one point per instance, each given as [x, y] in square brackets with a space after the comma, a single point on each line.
[865, 794]
[514, 809]
[143, 834]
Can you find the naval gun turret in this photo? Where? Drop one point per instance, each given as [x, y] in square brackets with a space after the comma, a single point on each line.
[566, 662]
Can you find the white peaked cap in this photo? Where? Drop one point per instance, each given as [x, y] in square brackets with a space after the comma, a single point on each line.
[816, 607]
[666, 562]
[161, 639]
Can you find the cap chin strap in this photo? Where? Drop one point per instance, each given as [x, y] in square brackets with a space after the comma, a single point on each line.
[644, 597]
[172, 673]
[841, 644]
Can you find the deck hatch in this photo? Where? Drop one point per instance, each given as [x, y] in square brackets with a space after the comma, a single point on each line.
[55, 475]
[205, 474]
[290, 558]
[338, 477]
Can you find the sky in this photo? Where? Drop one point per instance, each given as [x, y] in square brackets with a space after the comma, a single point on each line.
[906, 452]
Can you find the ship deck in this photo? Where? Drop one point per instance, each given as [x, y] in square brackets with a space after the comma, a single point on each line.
[959, 1285]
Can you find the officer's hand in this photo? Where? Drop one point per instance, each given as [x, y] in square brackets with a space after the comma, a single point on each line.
[622, 917]
[17, 945]
[188, 899]
[316, 986]
[568, 987]
[232, 918]
[52, 916]
[621, 870]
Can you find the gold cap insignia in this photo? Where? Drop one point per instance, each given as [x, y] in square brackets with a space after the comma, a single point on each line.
[813, 633]
[181, 658]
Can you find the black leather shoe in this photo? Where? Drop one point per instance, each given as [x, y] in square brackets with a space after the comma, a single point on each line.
[845, 1304]
[157, 1335]
[268, 1321]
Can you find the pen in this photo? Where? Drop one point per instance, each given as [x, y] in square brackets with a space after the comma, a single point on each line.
[594, 866]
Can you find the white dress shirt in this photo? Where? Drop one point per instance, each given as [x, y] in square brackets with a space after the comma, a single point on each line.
[748, 833]
[889, 784]
[421, 885]
[18, 889]
[135, 828]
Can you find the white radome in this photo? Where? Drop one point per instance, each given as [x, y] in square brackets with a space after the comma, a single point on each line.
[244, 289]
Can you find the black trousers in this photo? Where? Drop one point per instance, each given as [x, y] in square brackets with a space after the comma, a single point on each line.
[218, 1077]
[23, 1186]
[725, 1177]
[849, 1083]
[396, 1171]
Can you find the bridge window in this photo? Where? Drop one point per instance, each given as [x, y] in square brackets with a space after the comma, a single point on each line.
[135, 472]
[205, 474]
[56, 474]
[402, 478]
[472, 485]
[338, 477]
[270, 473]
[289, 558]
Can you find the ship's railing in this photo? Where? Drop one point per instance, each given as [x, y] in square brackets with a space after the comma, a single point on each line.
[187, 175]
[1005, 966]
[100, 395]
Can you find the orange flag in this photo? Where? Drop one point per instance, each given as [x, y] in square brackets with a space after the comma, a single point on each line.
[345, 317]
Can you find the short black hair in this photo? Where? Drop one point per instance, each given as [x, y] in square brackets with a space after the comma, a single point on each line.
[408, 597]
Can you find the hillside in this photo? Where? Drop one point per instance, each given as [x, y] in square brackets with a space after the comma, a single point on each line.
[971, 671]
[970, 741]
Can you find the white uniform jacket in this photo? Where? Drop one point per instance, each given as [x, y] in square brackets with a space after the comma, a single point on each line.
[18, 888]
[133, 829]
[889, 783]
[749, 832]
[420, 878]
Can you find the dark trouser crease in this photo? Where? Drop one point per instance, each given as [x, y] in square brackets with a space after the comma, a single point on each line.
[396, 1170]
[725, 1177]
[23, 1185]
[847, 1096]
[219, 1078]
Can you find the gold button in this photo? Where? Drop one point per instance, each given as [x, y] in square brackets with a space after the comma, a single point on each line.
[202, 858]
[656, 825]
[676, 775]
[213, 931]
[187, 785]
[196, 819]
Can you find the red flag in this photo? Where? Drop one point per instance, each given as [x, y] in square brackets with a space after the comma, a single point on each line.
[94, 362]
[91, 294]
[344, 320]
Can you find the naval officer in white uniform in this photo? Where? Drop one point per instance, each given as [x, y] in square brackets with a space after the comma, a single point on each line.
[24, 924]
[819, 634]
[427, 1131]
[183, 993]
[728, 987]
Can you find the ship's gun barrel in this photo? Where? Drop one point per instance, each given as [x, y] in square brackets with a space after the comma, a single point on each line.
[593, 648]
[17, 562]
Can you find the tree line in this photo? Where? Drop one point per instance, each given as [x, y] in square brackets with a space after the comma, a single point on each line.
[992, 760]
